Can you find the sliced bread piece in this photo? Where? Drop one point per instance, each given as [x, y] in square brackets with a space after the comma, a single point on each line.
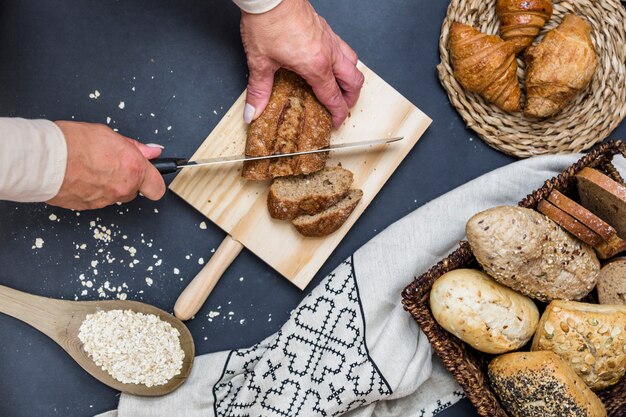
[604, 197]
[308, 194]
[612, 282]
[611, 243]
[329, 220]
[569, 223]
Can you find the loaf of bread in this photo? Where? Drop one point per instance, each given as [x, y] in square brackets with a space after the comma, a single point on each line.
[603, 196]
[294, 120]
[610, 243]
[569, 223]
[591, 338]
[488, 316]
[612, 283]
[308, 194]
[330, 219]
[526, 251]
[541, 384]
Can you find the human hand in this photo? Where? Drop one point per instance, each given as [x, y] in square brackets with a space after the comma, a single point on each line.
[104, 167]
[294, 36]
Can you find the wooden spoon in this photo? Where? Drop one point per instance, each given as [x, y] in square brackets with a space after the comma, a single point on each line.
[61, 320]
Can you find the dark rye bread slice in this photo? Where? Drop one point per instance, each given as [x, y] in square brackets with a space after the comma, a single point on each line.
[294, 120]
[612, 282]
[569, 223]
[604, 197]
[611, 243]
[308, 194]
[329, 220]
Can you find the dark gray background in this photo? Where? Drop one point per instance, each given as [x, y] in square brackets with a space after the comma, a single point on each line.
[185, 60]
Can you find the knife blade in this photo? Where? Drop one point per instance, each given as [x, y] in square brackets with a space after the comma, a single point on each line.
[170, 165]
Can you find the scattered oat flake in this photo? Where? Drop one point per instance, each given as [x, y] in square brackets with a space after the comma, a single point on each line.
[149, 281]
[121, 105]
[203, 225]
[53, 217]
[176, 271]
[169, 128]
[38, 243]
[201, 261]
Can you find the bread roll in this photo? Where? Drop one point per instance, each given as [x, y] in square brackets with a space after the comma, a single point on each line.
[590, 337]
[529, 253]
[488, 316]
[612, 282]
[541, 384]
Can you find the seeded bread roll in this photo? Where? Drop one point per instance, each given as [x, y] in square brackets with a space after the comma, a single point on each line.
[329, 220]
[526, 251]
[308, 194]
[604, 197]
[488, 316]
[612, 283]
[294, 120]
[591, 338]
[541, 384]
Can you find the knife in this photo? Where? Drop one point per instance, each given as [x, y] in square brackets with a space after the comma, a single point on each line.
[170, 165]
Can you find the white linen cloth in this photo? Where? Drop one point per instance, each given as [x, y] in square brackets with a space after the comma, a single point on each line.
[349, 347]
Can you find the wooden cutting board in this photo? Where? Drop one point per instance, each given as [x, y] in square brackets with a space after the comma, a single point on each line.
[239, 206]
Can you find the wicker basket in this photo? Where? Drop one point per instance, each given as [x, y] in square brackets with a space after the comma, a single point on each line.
[469, 366]
[590, 118]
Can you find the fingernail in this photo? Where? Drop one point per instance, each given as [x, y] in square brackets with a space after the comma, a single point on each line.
[248, 113]
[155, 145]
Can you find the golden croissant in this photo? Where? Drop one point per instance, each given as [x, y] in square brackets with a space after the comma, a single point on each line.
[485, 64]
[521, 20]
[559, 67]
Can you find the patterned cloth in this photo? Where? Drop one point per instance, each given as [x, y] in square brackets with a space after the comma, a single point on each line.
[349, 348]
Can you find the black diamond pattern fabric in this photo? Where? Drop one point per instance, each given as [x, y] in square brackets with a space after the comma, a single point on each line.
[317, 365]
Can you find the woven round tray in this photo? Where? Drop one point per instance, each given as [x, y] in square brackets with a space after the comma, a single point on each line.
[589, 118]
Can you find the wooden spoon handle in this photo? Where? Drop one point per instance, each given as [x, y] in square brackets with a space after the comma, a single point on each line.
[40, 312]
[196, 293]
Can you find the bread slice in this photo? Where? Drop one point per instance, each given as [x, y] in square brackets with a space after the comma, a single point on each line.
[612, 282]
[569, 223]
[541, 384]
[611, 243]
[604, 197]
[308, 194]
[329, 220]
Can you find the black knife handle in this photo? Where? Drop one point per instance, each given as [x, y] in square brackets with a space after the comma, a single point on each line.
[167, 165]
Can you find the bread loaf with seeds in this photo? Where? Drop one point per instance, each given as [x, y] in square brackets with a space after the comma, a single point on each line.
[528, 252]
[591, 338]
[541, 384]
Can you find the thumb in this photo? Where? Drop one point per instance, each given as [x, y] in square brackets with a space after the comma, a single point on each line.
[259, 90]
[149, 150]
[152, 186]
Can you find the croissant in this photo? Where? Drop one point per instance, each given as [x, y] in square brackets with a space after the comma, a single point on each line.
[559, 67]
[521, 20]
[485, 64]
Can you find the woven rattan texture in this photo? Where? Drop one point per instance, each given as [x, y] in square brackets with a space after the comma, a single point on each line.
[467, 365]
[588, 119]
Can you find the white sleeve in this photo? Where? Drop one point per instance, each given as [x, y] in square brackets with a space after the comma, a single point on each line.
[33, 158]
[257, 6]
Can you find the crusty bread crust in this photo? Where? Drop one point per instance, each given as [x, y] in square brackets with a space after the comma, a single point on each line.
[590, 337]
[569, 223]
[294, 120]
[541, 384]
[329, 220]
[316, 192]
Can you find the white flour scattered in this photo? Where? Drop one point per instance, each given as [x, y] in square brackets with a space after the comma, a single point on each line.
[134, 348]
